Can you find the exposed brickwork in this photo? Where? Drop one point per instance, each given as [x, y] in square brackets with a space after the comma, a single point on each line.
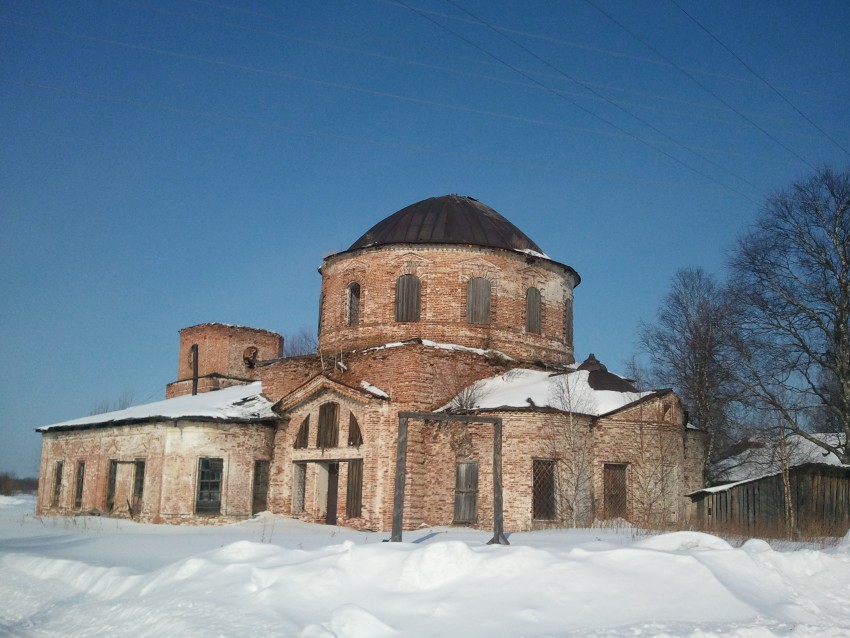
[444, 272]
[662, 460]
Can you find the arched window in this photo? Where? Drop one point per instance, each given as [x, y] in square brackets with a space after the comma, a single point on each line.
[355, 437]
[532, 311]
[352, 304]
[478, 300]
[407, 294]
[302, 440]
[328, 434]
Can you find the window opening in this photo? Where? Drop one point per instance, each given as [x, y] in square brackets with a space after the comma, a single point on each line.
[299, 484]
[568, 321]
[210, 473]
[354, 493]
[110, 485]
[353, 304]
[355, 437]
[57, 483]
[260, 492]
[532, 311]
[466, 492]
[78, 488]
[543, 489]
[328, 434]
[478, 300]
[614, 490]
[407, 298]
[302, 440]
[138, 485]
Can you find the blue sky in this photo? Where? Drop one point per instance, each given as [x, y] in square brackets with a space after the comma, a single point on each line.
[169, 163]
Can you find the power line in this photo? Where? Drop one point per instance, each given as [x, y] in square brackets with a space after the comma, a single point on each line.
[604, 97]
[698, 83]
[274, 126]
[766, 83]
[576, 104]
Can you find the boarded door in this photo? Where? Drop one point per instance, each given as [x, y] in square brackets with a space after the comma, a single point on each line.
[614, 479]
[333, 493]
[466, 492]
[260, 492]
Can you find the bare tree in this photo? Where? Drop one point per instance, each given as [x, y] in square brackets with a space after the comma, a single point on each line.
[655, 478]
[572, 446]
[121, 403]
[302, 342]
[689, 349]
[791, 296]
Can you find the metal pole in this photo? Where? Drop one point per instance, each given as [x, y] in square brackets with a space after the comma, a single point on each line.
[400, 476]
[498, 511]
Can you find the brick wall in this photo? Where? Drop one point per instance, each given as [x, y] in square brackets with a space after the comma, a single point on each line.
[443, 272]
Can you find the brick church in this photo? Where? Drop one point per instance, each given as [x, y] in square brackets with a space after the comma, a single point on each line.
[444, 306]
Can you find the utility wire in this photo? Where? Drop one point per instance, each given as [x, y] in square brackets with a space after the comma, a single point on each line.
[602, 96]
[764, 81]
[698, 83]
[574, 103]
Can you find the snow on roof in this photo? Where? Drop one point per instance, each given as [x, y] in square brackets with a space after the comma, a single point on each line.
[374, 390]
[237, 402]
[524, 388]
[765, 457]
[440, 346]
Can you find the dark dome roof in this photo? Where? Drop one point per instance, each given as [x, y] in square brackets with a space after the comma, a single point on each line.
[450, 219]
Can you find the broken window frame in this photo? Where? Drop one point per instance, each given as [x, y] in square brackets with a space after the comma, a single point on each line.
[210, 483]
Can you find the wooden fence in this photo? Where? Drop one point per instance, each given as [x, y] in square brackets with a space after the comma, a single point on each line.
[819, 498]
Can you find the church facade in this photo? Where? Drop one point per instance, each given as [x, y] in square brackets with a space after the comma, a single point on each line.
[444, 306]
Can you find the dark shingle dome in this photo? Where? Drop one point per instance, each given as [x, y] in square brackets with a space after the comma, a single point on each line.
[450, 219]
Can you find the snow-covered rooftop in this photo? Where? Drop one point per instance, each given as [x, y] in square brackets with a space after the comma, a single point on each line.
[524, 388]
[766, 457]
[237, 402]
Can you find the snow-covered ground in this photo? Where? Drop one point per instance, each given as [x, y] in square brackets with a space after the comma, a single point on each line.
[276, 577]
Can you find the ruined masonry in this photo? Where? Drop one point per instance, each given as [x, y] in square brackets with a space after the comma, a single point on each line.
[444, 306]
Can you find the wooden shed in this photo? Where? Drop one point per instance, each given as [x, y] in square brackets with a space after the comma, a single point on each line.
[818, 503]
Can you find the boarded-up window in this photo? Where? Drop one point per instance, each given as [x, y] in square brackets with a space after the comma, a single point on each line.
[328, 434]
[210, 472]
[568, 321]
[299, 484]
[260, 492]
[302, 440]
[353, 304]
[466, 492]
[355, 438]
[110, 485]
[138, 485]
[478, 300]
[532, 311]
[614, 490]
[544, 503]
[78, 488]
[407, 298]
[354, 495]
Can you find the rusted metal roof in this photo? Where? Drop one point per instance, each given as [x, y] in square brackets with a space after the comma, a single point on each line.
[450, 219]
